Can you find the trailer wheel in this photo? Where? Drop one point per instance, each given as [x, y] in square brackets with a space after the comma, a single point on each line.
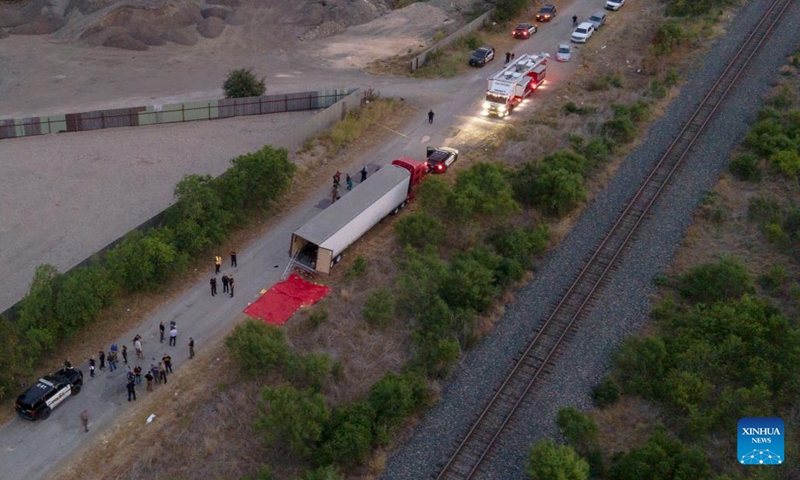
[337, 259]
[394, 212]
[403, 205]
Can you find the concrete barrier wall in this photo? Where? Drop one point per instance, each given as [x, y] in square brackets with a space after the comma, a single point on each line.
[171, 113]
[476, 24]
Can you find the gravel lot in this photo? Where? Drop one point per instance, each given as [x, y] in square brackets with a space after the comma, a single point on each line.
[65, 196]
[625, 304]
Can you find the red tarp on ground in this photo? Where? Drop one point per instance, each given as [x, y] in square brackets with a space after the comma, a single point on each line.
[284, 298]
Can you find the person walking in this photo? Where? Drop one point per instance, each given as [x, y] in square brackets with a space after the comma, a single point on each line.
[85, 420]
[337, 177]
[574, 20]
[131, 390]
[91, 367]
[102, 356]
[112, 361]
[213, 283]
[162, 372]
[334, 194]
[230, 284]
[233, 259]
[363, 173]
[149, 378]
[224, 284]
[154, 372]
[167, 362]
[191, 348]
[430, 116]
[114, 348]
[217, 263]
[349, 181]
[137, 374]
[508, 57]
[173, 333]
[161, 329]
[137, 345]
[125, 354]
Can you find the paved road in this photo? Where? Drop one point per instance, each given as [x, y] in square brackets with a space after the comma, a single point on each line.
[29, 450]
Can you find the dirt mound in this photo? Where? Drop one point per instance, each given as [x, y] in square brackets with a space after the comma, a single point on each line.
[124, 41]
[185, 36]
[216, 12]
[211, 27]
[35, 28]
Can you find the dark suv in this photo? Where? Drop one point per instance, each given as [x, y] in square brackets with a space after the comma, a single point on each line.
[38, 401]
[546, 13]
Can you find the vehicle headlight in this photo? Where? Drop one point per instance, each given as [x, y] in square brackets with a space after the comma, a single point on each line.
[486, 105]
[501, 108]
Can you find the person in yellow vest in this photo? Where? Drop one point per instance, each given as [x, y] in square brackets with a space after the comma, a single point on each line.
[217, 263]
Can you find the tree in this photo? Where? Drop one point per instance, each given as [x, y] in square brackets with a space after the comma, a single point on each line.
[293, 416]
[548, 461]
[661, 458]
[198, 217]
[347, 437]
[258, 347]
[257, 179]
[243, 83]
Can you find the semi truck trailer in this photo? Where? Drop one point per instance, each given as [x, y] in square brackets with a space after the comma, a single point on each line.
[318, 245]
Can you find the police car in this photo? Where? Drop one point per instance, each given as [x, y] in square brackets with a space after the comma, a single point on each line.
[440, 158]
[39, 401]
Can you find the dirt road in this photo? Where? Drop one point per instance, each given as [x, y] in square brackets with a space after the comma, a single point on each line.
[31, 450]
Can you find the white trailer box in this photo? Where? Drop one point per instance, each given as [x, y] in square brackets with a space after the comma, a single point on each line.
[319, 243]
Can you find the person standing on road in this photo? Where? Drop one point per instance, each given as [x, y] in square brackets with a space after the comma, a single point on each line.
[85, 420]
[154, 372]
[167, 362]
[131, 390]
[137, 374]
[213, 283]
[125, 354]
[161, 329]
[349, 181]
[337, 177]
[137, 345]
[224, 284]
[363, 173]
[430, 116]
[334, 194]
[230, 284]
[233, 259]
[162, 372]
[508, 57]
[102, 355]
[217, 263]
[149, 377]
[191, 348]
[112, 361]
[173, 334]
[574, 20]
[91, 367]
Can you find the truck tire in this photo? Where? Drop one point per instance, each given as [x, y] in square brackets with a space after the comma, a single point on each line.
[45, 413]
[396, 209]
[337, 259]
[76, 389]
[403, 205]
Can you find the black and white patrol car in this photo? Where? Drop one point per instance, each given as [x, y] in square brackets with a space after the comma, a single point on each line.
[440, 158]
[38, 401]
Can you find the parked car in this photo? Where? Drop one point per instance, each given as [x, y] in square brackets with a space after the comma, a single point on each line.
[546, 13]
[582, 33]
[481, 56]
[614, 4]
[39, 401]
[564, 52]
[440, 158]
[524, 30]
[597, 19]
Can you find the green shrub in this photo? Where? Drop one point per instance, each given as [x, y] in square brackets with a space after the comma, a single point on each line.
[379, 308]
[661, 457]
[83, 293]
[619, 130]
[520, 244]
[787, 162]
[142, 262]
[293, 417]
[596, 151]
[606, 392]
[555, 190]
[419, 230]
[482, 191]
[318, 317]
[570, 107]
[358, 269]
[470, 282]
[578, 428]
[395, 397]
[198, 218]
[725, 279]
[779, 101]
[641, 365]
[764, 210]
[669, 36]
[243, 83]
[548, 461]
[473, 41]
[258, 347]
[775, 234]
[745, 167]
[257, 179]
[434, 356]
[309, 371]
[330, 472]
[422, 274]
[774, 279]
[347, 437]
[657, 89]
[508, 9]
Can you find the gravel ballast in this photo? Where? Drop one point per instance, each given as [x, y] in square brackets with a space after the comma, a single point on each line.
[624, 304]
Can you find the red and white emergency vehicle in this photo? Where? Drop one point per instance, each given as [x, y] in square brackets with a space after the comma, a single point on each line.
[509, 86]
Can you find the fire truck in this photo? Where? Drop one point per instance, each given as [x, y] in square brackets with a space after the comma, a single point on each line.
[517, 80]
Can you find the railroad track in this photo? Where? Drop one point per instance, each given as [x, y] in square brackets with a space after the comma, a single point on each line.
[477, 445]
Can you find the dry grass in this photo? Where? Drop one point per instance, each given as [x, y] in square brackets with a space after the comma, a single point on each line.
[626, 424]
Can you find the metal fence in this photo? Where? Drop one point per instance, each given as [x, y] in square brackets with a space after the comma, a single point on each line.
[171, 113]
[476, 24]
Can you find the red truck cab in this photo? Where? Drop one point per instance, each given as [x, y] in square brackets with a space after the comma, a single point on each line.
[417, 169]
